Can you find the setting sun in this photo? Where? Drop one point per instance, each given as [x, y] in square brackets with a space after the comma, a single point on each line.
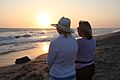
[44, 20]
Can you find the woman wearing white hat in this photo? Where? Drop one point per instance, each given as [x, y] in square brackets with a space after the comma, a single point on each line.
[62, 52]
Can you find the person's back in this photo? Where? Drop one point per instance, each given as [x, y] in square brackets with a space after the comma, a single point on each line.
[66, 51]
[62, 52]
[86, 51]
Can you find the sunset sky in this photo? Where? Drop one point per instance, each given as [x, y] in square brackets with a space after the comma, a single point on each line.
[40, 13]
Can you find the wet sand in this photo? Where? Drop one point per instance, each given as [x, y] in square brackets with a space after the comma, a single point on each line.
[9, 58]
[107, 61]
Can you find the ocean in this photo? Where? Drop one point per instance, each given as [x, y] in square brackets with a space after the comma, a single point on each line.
[19, 42]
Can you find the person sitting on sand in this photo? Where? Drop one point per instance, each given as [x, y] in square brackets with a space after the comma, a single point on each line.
[86, 49]
[62, 52]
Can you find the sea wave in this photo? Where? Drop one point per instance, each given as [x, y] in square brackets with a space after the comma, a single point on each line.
[5, 49]
[23, 40]
[13, 41]
[7, 38]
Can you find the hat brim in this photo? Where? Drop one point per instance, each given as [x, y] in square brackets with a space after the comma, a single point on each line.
[53, 24]
[62, 28]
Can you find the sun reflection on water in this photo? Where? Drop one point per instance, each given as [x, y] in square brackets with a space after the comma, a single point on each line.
[10, 58]
[45, 47]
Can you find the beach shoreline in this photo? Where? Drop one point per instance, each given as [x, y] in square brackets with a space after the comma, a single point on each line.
[17, 43]
[9, 58]
[106, 60]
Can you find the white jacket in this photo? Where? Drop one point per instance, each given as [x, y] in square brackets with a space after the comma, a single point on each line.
[61, 56]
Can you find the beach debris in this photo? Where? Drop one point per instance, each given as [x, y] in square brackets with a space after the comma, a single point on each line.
[25, 36]
[22, 60]
[17, 36]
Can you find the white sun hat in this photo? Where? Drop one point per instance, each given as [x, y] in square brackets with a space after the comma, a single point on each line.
[64, 25]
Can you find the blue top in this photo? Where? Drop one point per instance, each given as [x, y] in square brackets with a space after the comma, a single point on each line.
[61, 56]
[86, 51]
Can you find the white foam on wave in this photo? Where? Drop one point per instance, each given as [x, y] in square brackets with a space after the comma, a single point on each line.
[8, 46]
[6, 38]
[15, 48]
[116, 30]
[23, 40]
[102, 31]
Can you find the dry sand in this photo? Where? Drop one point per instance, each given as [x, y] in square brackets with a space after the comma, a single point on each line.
[107, 61]
[107, 58]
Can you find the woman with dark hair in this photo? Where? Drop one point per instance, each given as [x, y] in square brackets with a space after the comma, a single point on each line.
[62, 52]
[86, 49]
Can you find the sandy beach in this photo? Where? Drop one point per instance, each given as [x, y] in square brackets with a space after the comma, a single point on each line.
[107, 63]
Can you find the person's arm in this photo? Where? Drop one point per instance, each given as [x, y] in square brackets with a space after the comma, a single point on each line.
[51, 54]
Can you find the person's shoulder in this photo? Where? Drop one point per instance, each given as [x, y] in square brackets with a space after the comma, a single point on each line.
[79, 39]
[55, 40]
[93, 39]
